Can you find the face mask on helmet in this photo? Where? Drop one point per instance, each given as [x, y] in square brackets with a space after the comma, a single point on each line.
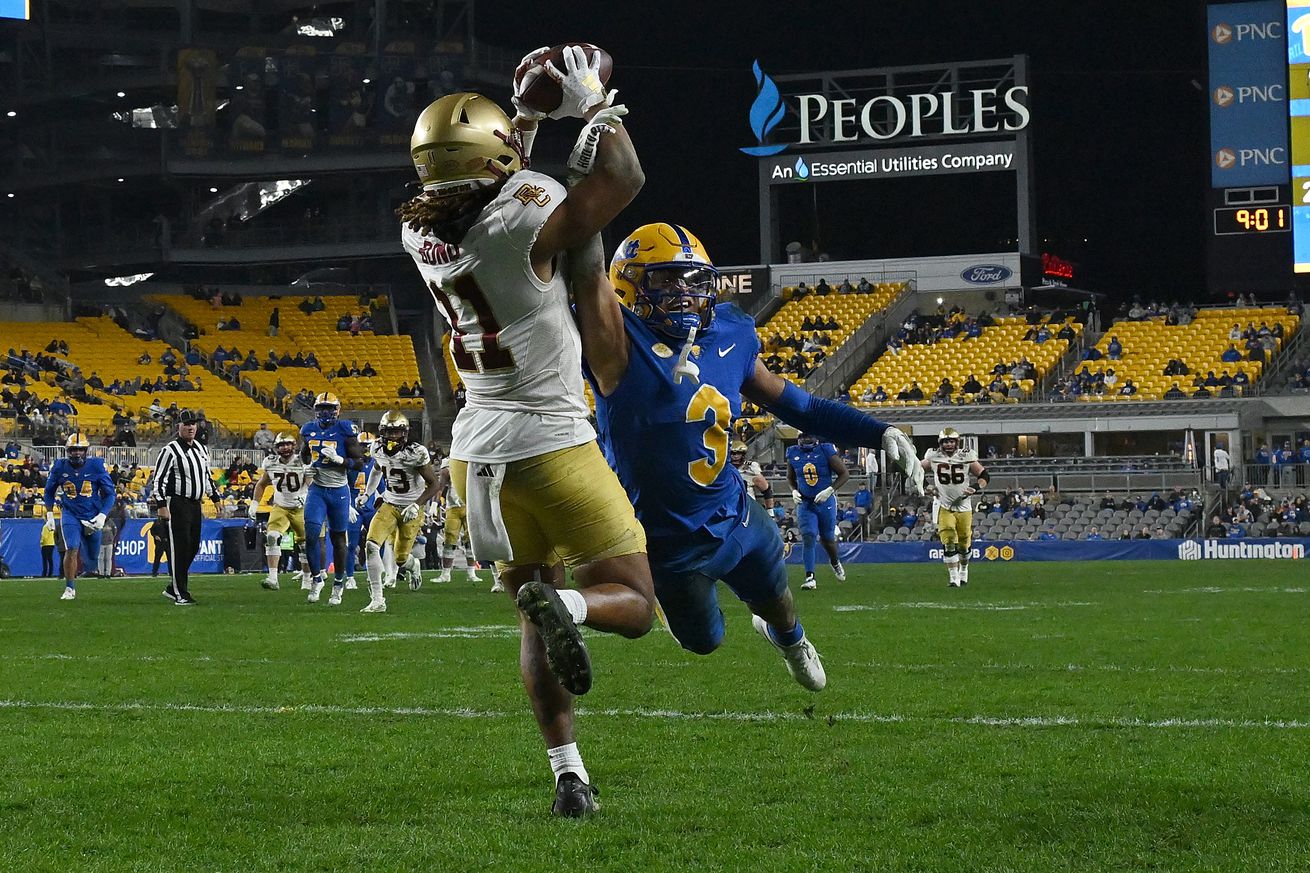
[326, 413]
[738, 458]
[394, 437]
[285, 450]
[674, 298]
[77, 456]
[807, 441]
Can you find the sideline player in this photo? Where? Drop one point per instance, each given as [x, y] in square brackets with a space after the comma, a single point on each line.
[86, 495]
[332, 449]
[402, 463]
[453, 529]
[815, 471]
[752, 475]
[665, 421]
[951, 464]
[486, 234]
[364, 515]
[289, 476]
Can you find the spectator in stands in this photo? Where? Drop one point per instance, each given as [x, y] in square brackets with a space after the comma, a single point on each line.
[866, 396]
[13, 451]
[251, 363]
[305, 398]
[1108, 501]
[1093, 534]
[914, 392]
[270, 363]
[311, 360]
[879, 394]
[1143, 534]
[1241, 379]
[1042, 335]
[274, 321]
[280, 394]
[1231, 355]
[343, 323]
[1115, 350]
[996, 386]
[864, 287]
[846, 287]
[823, 288]
[1235, 333]
[342, 371]
[1128, 389]
[1175, 393]
[403, 390]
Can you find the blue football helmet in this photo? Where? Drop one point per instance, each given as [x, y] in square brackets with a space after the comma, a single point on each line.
[664, 274]
[326, 408]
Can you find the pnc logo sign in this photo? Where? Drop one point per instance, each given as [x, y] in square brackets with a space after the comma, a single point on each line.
[1224, 96]
[1224, 159]
[1222, 33]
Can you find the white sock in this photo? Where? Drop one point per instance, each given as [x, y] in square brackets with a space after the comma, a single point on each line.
[567, 759]
[964, 572]
[575, 602]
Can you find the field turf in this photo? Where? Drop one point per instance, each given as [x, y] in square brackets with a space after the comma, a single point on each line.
[1114, 716]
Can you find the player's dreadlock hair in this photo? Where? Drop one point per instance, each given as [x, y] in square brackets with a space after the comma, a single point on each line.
[448, 218]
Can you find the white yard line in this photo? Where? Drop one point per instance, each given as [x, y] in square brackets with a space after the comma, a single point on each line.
[669, 715]
[1212, 589]
[977, 605]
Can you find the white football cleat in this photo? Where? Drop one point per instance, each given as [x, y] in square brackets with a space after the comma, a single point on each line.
[334, 599]
[269, 583]
[802, 659]
[350, 583]
[69, 594]
[839, 571]
[497, 587]
[315, 588]
[389, 582]
[375, 606]
[306, 582]
[443, 576]
[810, 583]
[953, 584]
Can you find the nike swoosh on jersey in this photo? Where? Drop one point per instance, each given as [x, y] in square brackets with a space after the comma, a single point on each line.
[723, 353]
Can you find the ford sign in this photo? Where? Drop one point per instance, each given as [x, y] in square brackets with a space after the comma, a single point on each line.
[986, 274]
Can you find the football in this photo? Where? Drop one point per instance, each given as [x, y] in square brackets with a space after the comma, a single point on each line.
[543, 94]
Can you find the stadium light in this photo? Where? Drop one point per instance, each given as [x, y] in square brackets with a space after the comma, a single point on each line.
[10, 195]
[940, 300]
[240, 87]
[122, 93]
[121, 179]
[368, 81]
[213, 190]
[11, 113]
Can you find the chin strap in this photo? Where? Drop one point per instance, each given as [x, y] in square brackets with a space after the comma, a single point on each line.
[686, 368]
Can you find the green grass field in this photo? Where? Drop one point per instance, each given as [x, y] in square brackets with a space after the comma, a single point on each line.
[1115, 716]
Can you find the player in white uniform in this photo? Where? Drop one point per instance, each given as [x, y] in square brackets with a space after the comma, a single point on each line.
[752, 474]
[453, 528]
[486, 234]
[403, 463]
[950, 467]
[289, 477]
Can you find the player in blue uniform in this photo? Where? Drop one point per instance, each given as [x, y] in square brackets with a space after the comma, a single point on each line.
[815, 472]
[364, 514]
[668, 372]
[86, 495]
[331, 445]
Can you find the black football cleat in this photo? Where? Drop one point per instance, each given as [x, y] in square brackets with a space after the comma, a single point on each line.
[574, 798]
[566, 653]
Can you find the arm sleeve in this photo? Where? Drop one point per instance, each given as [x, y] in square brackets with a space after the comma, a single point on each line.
[50, 489]
[828, 418]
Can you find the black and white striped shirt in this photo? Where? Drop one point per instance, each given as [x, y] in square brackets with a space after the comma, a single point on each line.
[183, 471]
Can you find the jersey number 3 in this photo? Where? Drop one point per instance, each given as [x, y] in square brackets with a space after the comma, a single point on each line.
[704, 471]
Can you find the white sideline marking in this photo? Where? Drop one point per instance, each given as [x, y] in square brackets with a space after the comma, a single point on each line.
[976, 606]
[486, 631]
[1074, 668]
[1212, 589]
[57, 656]
[668, 714]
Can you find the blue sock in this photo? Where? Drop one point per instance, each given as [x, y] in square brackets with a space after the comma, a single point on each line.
[312, 552]
[789, 637]
[808, 549]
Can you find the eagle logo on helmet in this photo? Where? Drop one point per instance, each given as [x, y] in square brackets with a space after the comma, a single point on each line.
[77, 447]
[326, 408]
[663, 274]
[284, 445]
[948, 441]
[393, 429]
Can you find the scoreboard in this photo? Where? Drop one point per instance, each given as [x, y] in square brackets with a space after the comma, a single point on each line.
[1259, 201]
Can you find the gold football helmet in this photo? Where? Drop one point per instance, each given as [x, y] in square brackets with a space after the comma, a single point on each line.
[737, 453]
[284, 445]
[393, 429]
[366, 440]
[77, 447]
[462, 142]
[327, 406]
[948, 440]
[663, 273]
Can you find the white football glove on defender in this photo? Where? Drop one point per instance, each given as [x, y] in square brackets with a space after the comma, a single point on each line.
[823, 495]
[796, 497]
[253, 509]
[354, 515]
[901, 454]
[50, 519]
[330, 455]
[409, 513]
[96, 522]
[580, 83]
[361, 500]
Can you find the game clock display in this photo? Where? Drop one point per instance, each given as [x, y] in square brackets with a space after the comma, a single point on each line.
[1252, 219]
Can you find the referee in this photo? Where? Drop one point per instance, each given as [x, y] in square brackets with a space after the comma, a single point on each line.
[182, 479]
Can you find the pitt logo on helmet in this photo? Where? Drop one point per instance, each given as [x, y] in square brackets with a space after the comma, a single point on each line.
[663, 273]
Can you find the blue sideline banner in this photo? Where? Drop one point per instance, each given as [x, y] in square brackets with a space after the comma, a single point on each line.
[1291, 548]
[20, 545]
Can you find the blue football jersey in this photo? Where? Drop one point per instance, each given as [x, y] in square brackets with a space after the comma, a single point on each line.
[813, 472]
[318, 437]
[84, 491]
[669, 442]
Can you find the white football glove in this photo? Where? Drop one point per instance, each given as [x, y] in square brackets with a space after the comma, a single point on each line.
[901, 454]
[583, 157]
[299, 501]
[354, 515]
[96, 522]
[580, 83]
[361, 500]
[823, 495]
[409, 513]
[50, 519]
[796, 497]
[528, 70]
[329, 454]
[253, 509]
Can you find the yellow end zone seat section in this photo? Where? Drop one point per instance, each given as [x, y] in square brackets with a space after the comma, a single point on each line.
[391, 356]
[1149, 345]
[956, 359]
